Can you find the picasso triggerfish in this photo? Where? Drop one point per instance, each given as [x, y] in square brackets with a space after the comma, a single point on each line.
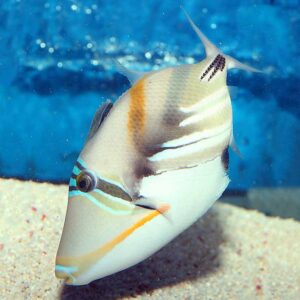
[154, 162]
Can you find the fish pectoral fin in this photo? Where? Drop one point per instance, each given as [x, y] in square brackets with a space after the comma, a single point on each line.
[146, 203]
[132, 76]
[152, 204]
[99, 117]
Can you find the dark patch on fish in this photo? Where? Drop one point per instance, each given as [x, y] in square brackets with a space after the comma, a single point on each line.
[145, 206]
[225, 159]
[74, 176]
[143, 169]
[79, 166]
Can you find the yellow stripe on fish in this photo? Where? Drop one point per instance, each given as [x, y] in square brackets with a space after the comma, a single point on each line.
[82, 263]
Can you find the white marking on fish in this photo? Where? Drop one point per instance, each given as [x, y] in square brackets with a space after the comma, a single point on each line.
[209, 100]
[190, 149]
[196, 136]
[205, 114]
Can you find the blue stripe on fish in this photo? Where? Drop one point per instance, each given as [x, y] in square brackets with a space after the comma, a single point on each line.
[81, 162]
[72, 182]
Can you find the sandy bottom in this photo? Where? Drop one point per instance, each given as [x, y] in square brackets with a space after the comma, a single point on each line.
[231, 253]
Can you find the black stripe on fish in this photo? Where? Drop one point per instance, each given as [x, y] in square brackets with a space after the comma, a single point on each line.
[143, 168]
[145, 206]
[79, 165]
[104, 186]
[109, 189]
[74, 176]
[112, 189]
[218, 64]
[99, 117]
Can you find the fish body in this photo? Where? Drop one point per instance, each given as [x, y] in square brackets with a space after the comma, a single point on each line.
[153, 164]
[159, 123]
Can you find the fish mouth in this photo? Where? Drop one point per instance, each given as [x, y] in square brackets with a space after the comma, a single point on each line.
[66, 273]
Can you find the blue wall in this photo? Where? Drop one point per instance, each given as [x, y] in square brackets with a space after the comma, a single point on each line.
[56, 68]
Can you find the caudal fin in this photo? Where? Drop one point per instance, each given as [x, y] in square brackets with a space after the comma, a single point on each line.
[212, 51]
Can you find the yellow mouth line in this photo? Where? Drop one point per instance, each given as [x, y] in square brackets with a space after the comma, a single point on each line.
[85, 261]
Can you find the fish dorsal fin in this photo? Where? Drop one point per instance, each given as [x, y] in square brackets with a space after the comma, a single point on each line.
[132, 76]
[211, 50]
[99, 118]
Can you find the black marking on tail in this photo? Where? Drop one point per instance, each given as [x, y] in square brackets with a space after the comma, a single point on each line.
[218, 64]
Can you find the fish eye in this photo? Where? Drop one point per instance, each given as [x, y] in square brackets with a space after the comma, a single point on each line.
[85, 181]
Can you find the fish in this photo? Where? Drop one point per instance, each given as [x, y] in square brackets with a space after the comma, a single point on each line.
[153, 163]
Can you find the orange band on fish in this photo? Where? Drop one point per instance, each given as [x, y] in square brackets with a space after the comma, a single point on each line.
[136, 115]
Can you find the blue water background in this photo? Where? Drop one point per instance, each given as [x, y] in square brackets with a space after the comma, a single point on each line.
[56, 68]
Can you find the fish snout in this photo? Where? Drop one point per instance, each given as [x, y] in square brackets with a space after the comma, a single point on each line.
[65, 273]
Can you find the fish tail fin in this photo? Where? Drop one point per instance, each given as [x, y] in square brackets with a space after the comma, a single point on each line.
[212, 51]
[235, 64]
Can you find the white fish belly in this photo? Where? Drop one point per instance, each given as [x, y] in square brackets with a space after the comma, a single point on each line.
[189, 192]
